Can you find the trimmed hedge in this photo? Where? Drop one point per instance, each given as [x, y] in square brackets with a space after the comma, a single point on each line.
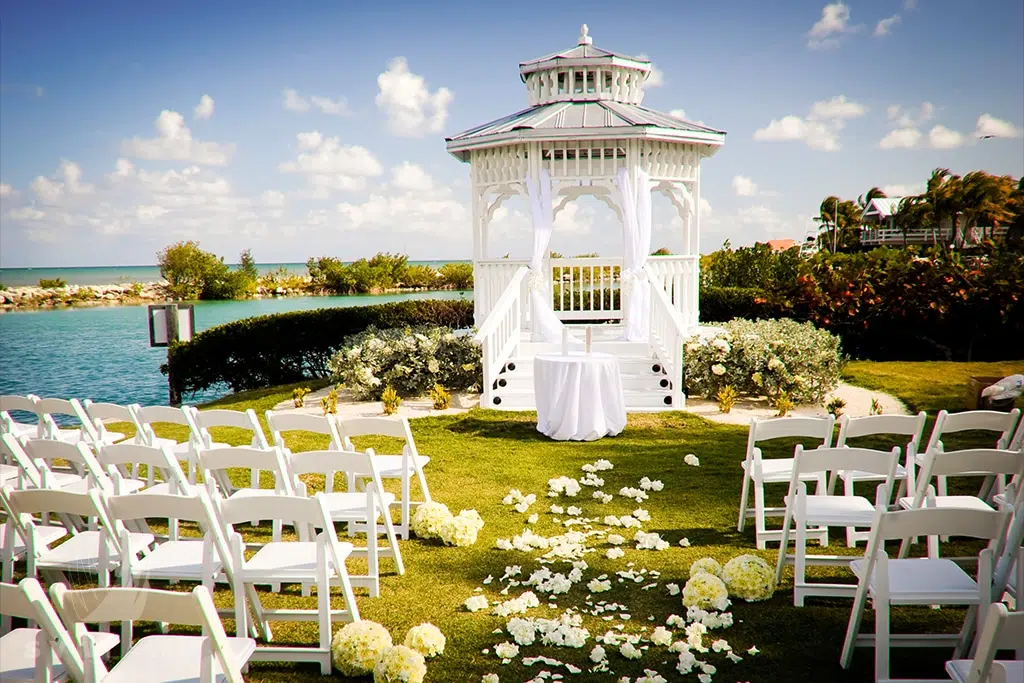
[721, 304]
[288, 347]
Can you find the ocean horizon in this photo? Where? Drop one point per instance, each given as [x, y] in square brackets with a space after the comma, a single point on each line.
[116, 275]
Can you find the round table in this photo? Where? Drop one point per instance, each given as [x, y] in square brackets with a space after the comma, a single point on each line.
[579, 396]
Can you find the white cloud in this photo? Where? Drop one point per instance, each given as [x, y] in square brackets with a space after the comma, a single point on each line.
[909, 5]
[900, 190]
[836, 109]
[26, 213]
[758, 215]
[7, 191]
[656, 78]
[411, 109]
[705, 207]
[174, 142]
[744, 186]
[834, 22]
[273, 198]
[51, 190]
[906, 138]
[816, 134]
[990, 126]
[409, 176]
[204, 109]
[678, 113]
[293, 101]
[432, 211]
[941, 137]
[911, 118]
[327, 164]
[884, 27]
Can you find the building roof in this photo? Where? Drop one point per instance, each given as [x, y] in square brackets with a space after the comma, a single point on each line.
[583, 52]
[781, 245]
[882, 207]
[575, 119]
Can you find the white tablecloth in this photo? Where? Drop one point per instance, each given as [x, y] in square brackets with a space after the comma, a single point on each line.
[579, 396]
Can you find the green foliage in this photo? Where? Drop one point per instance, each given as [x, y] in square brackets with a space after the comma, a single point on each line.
[755, 267]
[421, 276]
[390, 400]
[54, 283]
[247, 265]
[457, 275]
[782, 404]
[282, 278]
[299, 396]
[764, 358]
[192, 273]
[876, 407]
[410, 360]
[836, 405]
[726, 398]
[289, 347]
[329, 403]
[661, 251]
[718, 304]
[440, 398]
[383, 271]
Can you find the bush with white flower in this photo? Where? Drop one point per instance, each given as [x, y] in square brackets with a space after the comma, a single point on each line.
[426, 639]
[708, 565]
[706, 591]
[411, 359]
[461, 530]
[357, 646]
[764, 358]
[429, 519]
[749, 577]
[400, 664]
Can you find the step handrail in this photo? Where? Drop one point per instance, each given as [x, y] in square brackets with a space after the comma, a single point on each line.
[511, 295]
[667, 336]
[500, 332]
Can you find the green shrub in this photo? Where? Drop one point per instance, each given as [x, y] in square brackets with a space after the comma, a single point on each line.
[783, 404]
[718, 304]
[390, 400]
[764, 358]
[192, 273]
[282, 278]
[289, 347]
[329, 403]
[410, 360]
[835, 407]
[299, 396]
[726, 398]
[54, 283]
[421, 276]
[440, 398]
[457, 275]
[383, 271]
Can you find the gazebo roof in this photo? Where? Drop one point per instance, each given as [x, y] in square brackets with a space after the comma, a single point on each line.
[582, 120]
[584, 53]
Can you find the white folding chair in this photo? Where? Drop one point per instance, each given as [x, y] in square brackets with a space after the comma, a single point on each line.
[910, 426]
[281, 423]
[37, 473]
[217, 463]
[403, 467]
[357, 509]
[103, 413]
[970, 420]
[183, 450]
[219, 419]
[28, 654]
[78, 461]
[133, 467]
[758, 471]
[24, 404]
[1004, 630]
[207, 658]
[985, 462]
[320, 562]
[822, 511]
[90, 552]
[47, 408]
[919, 581]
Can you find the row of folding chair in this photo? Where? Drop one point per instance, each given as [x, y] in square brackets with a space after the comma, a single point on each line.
[758, 470]
[62, 649]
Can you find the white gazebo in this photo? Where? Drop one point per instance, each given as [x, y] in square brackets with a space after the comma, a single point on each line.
[586, 133]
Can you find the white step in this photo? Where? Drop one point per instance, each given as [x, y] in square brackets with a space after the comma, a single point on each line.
[636, 401]
[628, 366]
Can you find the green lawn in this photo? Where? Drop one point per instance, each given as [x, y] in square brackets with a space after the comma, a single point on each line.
[478, 456]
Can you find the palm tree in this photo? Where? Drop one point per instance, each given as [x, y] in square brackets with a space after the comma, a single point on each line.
[865, 199]
[944, 192]
[986, 201]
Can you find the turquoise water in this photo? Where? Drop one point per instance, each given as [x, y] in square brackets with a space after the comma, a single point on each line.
[103, 353]
[112, 275]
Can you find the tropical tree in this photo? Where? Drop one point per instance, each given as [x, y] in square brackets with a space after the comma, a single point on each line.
[840, 224]
[986, 201]
[865, 199]
[944, 191]
[912, 213]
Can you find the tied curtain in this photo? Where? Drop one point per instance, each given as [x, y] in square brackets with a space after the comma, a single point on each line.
[636, 238]
[546, 325]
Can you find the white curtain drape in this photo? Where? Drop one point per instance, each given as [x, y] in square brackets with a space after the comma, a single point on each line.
[636, 238]
[545, 324]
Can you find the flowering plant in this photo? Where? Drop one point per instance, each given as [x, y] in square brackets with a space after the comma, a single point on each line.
[429, 519]
[356, 647]
[708, 565]
[749, 577]
[461, 530]
[426, 639]
[706, 591]
[400, 664]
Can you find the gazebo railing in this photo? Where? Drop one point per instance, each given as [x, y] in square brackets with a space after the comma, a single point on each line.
[668, 333]
[678, 277]
[491, 277]
[586, 288]
[501, 331]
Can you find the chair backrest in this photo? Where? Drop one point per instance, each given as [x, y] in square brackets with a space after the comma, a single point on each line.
[789, 427]
[970, 462]
[974, 420]
[207, 419]
[150, 415]
[846, 458]
[328, 463]
[25, 503]
[29, 595]
[103, 605]
[1003, 630]
[46, 408]
[219, 460]
[117, 457]
[990, 525]
[13, 402]
[872, 425]
[100, 413]
[1017, 442]
[12, 448]
[300, 422]
[78, 454]
[394, 427]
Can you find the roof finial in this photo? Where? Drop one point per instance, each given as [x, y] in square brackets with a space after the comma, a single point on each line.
[584, 38]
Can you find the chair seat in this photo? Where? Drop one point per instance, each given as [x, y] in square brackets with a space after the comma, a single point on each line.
[959, 669]
[72, 436]
[252, 493]
[391, 466]
[925, 581]
[781, 470]
[165, 488]
[22, 430]
[46, 534]
[8, 473]
[167, 659]
[857, 475]
[283, 561]
[838, 511]
[18, 655]
[182, 450]
[182, 559]
[81, 552]
[953, 502]
[67, 480]
[345, 506]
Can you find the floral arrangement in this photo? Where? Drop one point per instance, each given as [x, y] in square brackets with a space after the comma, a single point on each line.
[426, 639]
[411, 360]
[460, 530]
[429, 518]
[357, 646]
[708, 565]
[749, 577]
[764, 358]
[705, 591]
[400, 664]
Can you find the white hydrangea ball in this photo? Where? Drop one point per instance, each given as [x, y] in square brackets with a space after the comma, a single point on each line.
[706, 591]
[749, 577]
[708, 565]
[400, 664]
[429, 518]
[461, 530]
[426, 639]
[356, 647]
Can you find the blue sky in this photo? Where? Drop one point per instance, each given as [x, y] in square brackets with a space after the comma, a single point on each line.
[110, 149]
